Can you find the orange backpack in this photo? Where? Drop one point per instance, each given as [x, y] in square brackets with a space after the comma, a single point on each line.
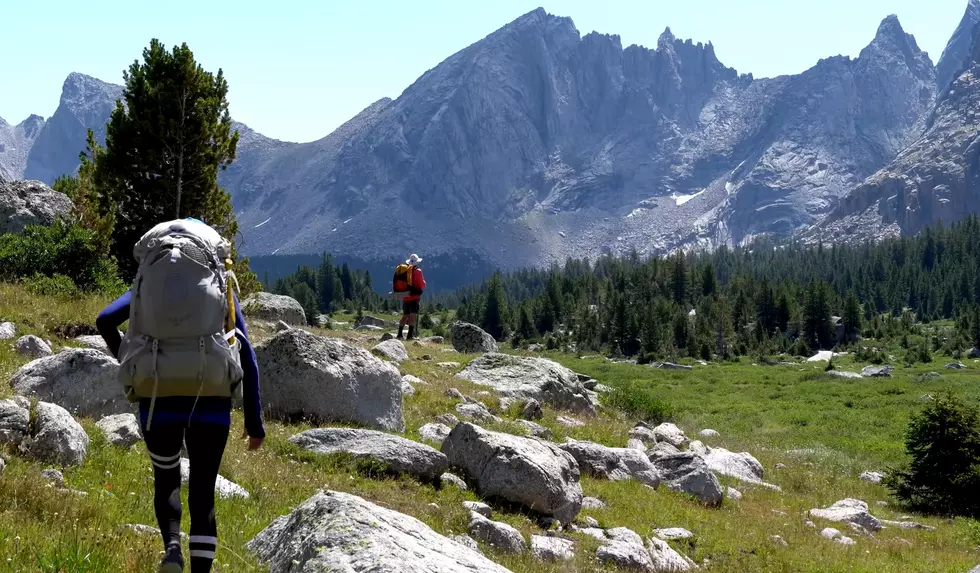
[402, 281]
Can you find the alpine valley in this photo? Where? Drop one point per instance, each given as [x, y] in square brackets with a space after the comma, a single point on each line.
[537, 143]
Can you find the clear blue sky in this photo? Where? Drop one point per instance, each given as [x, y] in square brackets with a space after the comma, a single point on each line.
[297, 69]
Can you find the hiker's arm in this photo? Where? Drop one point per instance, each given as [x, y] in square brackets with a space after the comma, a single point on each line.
[250, 383]
[419, 281]
[109, 320]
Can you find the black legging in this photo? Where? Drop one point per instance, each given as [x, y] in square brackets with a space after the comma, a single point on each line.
[205, 446]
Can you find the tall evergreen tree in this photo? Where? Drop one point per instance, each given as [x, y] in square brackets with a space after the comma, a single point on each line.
[496, 309]
[164, 148]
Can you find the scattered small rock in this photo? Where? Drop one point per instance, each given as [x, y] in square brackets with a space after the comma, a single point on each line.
[552, 549]
[688, 473]
[709, 433]
[569, 422]
[57, 437]
[386, 337]
[448, 420]
[122, 430]
[454, 393]
[836, 536]
[849, 511]
[400, 455]
[877, 371]
[453, 480]
[532, 410]
[223, 487]
[7, 331]
[955, 366]
[407, 388]
[434, 432]
[476, 411]
[778, 540]
[535, 429]
[671, 533]
[628, 556]
[780, 466]
[32, 347]
[906, 525]
[591, 522]
[671, 434]
[497, 534]
[635, 444]
[733, 493]
[392, 350]
[281, 325]
[479, 507]
[872, 477]
[593, 503]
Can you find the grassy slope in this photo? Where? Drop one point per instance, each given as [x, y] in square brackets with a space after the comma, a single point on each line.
[848, 426]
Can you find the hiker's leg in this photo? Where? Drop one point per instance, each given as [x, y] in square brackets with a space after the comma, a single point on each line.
[205, 446]
[163, 442]
[404, 320]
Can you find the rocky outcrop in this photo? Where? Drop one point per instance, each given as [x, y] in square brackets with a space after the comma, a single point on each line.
[24, 203]
[15, 144]
[15, 420]
[956, 56]
[527, 378]
[305, 376]
[498, 535]
[333, 531]
[81, 380]
[614, 464]
[273, 308]
[533, 473]
[397, 454]
[742, 466]
[471, 339]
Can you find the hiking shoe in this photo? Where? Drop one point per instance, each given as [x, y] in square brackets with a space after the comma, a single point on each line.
[173, 561]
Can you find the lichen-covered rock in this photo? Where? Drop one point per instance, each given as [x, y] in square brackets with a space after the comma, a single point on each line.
[849, 511]
[274, 308]
[533, 473]
[552, 549]
[322, 379]
[8, 330]
[527, 378]
[434, 432]
[499, 535]
[334, 531]
[687, 472]
[742, 466]
[398, 454]
[471, 339]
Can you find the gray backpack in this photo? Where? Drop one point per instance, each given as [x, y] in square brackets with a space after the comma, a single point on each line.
[181, 339]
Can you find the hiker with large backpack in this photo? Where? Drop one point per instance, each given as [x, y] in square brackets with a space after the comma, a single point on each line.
[184, 357]
[409, 283]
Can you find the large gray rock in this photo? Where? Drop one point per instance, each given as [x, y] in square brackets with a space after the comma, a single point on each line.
[471, 339]
[687, 472]
[392, 350]
[533, 473]
[528, 378]
[499, 535]
[399, 454]
[376, 322]
[24, 203]
[628, 556]
[56, 437]
[95, 342]
[15, 420]
[81, 380]
[122, 429]
[849, 511]
[32, 347]
[326, 379]
[664, 558]
[334, 531]
[273, 308]
[435, 432]
[671, 434]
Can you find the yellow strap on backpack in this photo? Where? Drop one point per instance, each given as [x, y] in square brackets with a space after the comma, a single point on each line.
[230, 321]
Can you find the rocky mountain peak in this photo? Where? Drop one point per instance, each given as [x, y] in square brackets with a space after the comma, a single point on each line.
[666, 40]
[892, 43]
[957, 51]
[32, 125]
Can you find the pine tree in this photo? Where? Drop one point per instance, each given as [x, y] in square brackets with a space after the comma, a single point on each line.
[708, 284]
[346, 282]
[679, 278]
[164, 148]
[493, 318]
[852, 316]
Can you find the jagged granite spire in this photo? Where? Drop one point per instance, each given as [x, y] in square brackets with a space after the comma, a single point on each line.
[959, 47]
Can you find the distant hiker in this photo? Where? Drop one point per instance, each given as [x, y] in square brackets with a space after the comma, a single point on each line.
[408, 281]
[185, 355]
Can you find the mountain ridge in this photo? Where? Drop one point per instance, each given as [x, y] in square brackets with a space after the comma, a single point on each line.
[537, 143]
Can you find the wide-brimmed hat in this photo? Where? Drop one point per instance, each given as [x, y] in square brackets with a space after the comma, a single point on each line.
[414, 259]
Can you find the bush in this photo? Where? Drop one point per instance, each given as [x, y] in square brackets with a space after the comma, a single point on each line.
[640, 401]
[61, 249]
[58, 285]
[943, 442]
